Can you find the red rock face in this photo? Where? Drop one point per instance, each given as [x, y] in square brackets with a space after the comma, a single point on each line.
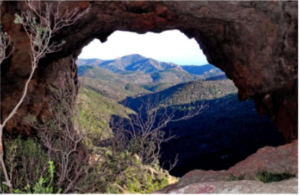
[255, 43]
[286, 156]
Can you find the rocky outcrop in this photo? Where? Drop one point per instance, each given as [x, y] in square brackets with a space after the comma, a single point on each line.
[239, 187]
[286, 156]
[282, 159]
[254, 43]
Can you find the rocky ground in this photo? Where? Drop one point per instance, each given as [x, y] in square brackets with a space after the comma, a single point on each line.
[242, 178]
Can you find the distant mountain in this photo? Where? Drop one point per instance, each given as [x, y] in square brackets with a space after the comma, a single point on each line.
[218, 77]
[207, 70]
[139, 63]
[84, 62]
[149, 73]
[135, 69]
[173, 76]
[133, 63]
[96, 72]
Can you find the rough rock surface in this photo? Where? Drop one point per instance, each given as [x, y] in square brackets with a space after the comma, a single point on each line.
[255, 43]
[286, 156]
[275, 160]
[239, 187]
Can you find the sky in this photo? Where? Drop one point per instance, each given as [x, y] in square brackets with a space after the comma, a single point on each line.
[168, 46]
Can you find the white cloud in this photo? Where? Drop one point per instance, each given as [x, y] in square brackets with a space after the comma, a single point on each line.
[169, 46]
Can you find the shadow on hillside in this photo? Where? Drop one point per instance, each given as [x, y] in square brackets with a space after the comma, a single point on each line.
[225, 133]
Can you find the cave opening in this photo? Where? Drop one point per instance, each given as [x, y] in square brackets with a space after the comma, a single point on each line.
[252, 42]
[224, 133]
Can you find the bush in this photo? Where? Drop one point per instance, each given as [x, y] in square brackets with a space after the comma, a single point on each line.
[43, 185]
[27, 166]
[237, 177]
[127, 174]
[268, 177]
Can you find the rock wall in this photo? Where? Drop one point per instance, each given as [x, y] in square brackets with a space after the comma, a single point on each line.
[254, 43]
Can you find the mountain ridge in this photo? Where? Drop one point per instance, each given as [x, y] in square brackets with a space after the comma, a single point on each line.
[139, 63]
[147, 72]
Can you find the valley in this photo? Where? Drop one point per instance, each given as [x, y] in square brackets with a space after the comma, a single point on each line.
[216, 138]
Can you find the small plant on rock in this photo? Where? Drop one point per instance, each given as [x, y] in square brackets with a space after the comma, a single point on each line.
[268, 177]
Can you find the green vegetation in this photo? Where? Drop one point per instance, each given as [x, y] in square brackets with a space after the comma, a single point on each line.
[95, 112]
[43, 185]
[185, 93]
[78, 151]
[173, 76]
[136, 69]
[114, 168]
[127, 174]
[156, 87]
[264, 176]
[113, 90]
[236, 178]
[268, 177]
[28, 166]
[95, 72]
[124, 171]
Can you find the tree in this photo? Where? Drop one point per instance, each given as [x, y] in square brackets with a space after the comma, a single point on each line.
[63, 142]
[143, 133]
[5, 44]
[41, 25]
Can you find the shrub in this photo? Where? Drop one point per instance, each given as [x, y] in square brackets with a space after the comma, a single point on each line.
[28, 166]
[129, 175]
[268, 177]
[21, 156]
[236, 177]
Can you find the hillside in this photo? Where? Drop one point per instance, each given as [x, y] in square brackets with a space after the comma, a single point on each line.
[206, 71]
[200, 69]
[220, 133]
[95, 111]
[94, 72]
[224, 133]
[219, 77]
[116, 90]
[156, 87]
[84, 62]
[144, 71]
[173, 76]
[185, 93]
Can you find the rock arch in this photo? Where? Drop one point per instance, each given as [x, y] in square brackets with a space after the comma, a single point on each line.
[254, 43]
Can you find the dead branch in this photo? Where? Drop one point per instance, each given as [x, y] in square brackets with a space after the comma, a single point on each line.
[143, 132]
[40, 29]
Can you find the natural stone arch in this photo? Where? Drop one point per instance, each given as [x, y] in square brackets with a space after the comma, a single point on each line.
[254, 43]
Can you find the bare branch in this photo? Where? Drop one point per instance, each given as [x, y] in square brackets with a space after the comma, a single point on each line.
[5, 44]
[40, 29]
[144, 131]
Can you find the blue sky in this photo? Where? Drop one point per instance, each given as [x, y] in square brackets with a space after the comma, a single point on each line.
[168, 46]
